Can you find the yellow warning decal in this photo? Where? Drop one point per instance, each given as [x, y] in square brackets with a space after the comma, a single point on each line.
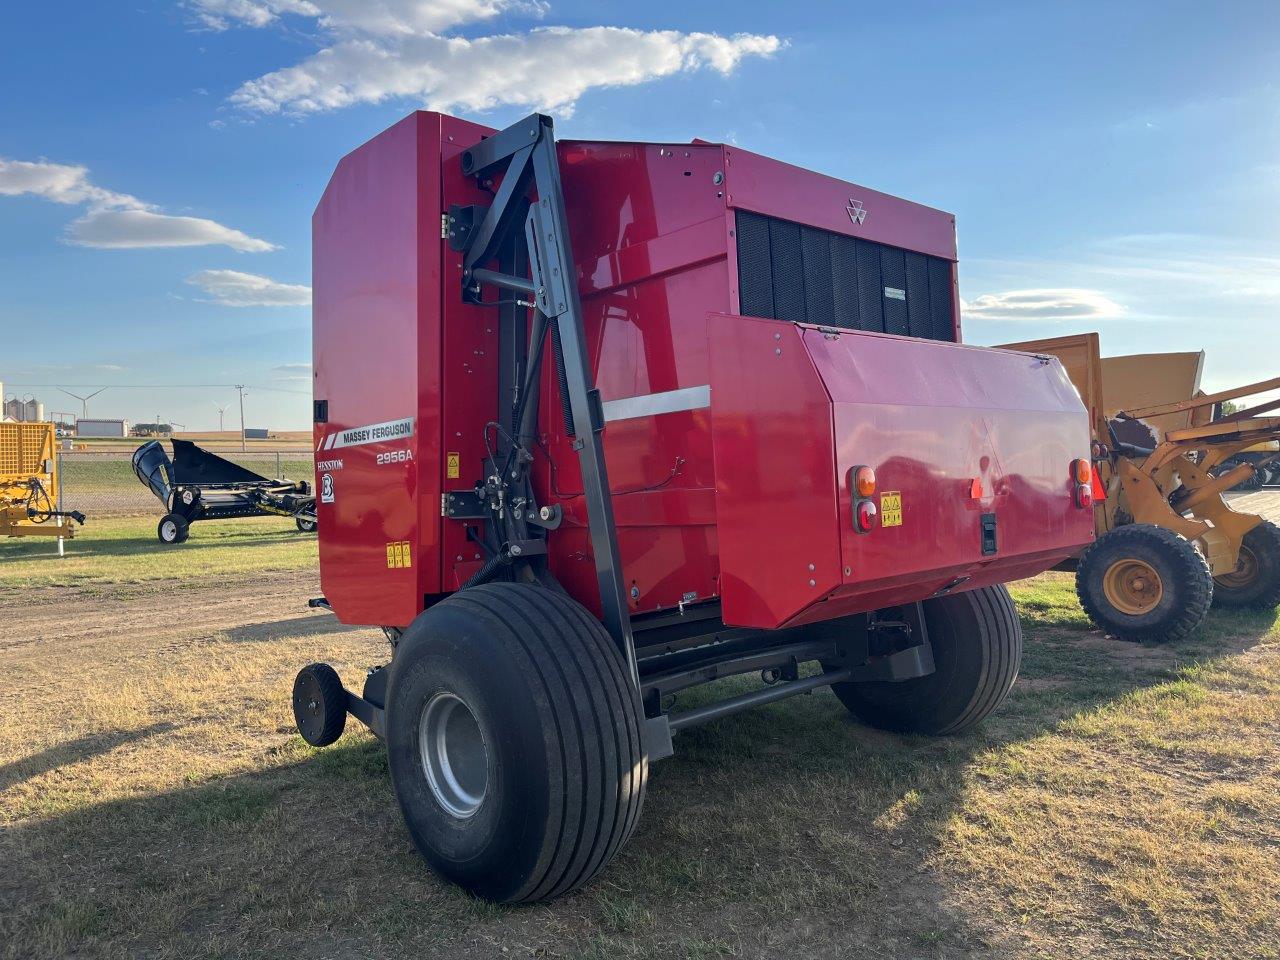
[891, 509]
[398, 555]
[453, 466]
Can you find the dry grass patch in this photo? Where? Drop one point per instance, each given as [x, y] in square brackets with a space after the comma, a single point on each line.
[155, 801]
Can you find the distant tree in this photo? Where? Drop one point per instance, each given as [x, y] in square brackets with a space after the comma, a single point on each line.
[152, 429]
[1228, 407]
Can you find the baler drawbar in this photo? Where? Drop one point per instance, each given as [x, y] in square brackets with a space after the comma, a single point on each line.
[640, 417]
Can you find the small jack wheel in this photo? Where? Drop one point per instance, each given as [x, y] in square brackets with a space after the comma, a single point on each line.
[319, 704]
[173, 528]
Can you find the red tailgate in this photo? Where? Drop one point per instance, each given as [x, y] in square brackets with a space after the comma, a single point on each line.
[968, 440]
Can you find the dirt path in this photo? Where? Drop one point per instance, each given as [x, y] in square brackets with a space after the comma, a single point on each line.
[67, 622]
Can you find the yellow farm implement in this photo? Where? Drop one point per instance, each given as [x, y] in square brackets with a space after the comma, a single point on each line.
[29, 483]
[1168, 545]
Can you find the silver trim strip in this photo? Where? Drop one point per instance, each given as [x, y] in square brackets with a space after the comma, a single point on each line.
[652, 404]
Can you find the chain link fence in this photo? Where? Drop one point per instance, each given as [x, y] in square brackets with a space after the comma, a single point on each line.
[104, 484]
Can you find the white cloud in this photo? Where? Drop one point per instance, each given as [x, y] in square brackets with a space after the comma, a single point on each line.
[1042, 305]
[221, 14]
[59, 182]
[131, 229]
[115, 220]
[235, 289]
[546, 68]
[294, 372]
[384, 17]
[382, 49]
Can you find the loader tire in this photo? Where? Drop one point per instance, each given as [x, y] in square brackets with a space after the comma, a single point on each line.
[977, 647]
[1255, 582]
[173, 529]
[514, 741]
[1144, 584]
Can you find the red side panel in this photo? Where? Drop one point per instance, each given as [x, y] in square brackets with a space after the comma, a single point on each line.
[954, 433]
[376, 342]
[775, 475]
[792, 193]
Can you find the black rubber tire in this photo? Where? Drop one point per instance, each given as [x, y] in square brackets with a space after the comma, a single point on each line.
[305, 526]
[181, 529]
[977, 647]
[561, 726]
[319, 704]
[1261, 592]
[1184, 578]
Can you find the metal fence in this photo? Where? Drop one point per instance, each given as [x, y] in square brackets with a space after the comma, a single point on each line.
[104, 484]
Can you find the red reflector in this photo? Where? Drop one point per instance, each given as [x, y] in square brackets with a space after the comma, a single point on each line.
[866, 515]
[975, 489]
[1084, 495]
[1099, 491]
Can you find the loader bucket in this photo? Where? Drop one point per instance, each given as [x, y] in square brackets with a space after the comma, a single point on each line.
[153, 468]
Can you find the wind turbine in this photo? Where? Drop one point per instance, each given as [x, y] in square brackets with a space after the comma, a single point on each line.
[222, 408]
[84, 401]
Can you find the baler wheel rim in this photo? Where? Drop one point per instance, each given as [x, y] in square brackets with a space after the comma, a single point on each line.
[455, 756]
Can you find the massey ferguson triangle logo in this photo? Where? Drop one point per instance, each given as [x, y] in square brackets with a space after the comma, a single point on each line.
[857, 212]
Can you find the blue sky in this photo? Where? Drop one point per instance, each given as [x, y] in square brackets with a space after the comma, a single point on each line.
[1113, 166]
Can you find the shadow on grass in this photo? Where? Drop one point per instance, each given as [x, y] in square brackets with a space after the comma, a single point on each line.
[786, 830]
[74, 751]
[268, 630]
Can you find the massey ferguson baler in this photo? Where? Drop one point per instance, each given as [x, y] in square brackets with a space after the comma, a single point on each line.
[597, 423]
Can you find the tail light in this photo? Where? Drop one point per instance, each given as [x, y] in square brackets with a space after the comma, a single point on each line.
[1083, 478]
[866, 515]
[864, 481]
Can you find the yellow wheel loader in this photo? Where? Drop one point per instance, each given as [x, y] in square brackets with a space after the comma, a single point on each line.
[1167, 543]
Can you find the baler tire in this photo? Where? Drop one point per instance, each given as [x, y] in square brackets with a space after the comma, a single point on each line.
[181, 529]
[319, 704]
[1256, 580]
[305, 526]
[1184, 584]
[549, 700]
[977, 647]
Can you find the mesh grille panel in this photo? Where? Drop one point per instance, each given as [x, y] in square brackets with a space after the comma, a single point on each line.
[791, 272]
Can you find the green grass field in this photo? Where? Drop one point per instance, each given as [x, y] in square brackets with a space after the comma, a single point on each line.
[101, 474]
[125, 550]
[155, 800]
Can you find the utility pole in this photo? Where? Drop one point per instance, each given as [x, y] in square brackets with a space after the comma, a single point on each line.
[240, 390]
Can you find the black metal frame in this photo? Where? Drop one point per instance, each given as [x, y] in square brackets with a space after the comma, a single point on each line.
[524, 156]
